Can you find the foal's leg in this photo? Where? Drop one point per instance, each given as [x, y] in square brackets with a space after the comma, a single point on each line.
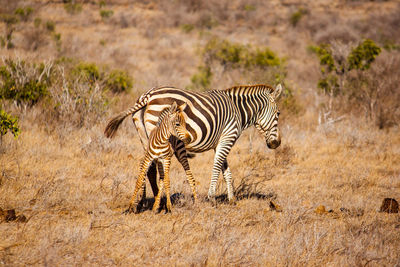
[139, 184]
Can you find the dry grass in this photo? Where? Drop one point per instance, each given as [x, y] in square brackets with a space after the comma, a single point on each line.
[73, 184]
[73, 190]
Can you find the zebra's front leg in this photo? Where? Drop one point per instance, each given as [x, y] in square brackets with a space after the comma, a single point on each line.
[133, 204]
[143, 136]
[221, 152]
[181, 155]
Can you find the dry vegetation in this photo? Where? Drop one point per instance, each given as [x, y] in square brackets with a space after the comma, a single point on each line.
[339, 158]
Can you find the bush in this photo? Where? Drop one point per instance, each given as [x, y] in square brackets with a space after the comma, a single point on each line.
[296, 16]
[71, 7]
[8, 123]
[105, 14]
[75, 102]
[186, 28]
[50, 26]
[202, 79]
[24, 13]
[24, 83]
[9, 21]
[88, 71]
[354, 82]
[118, 81]
[256, 64]
[335, 64]
[363, 55]
[234, 55]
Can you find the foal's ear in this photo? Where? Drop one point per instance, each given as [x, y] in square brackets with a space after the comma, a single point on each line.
[277, 92]
[173, 107]
[182, 107]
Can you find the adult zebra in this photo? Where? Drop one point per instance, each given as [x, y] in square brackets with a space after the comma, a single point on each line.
[214, 119]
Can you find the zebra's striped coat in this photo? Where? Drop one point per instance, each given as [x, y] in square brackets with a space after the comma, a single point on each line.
[170, 123]
[214, 120]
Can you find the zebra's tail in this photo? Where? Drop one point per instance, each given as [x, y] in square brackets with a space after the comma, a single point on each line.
[112, 126]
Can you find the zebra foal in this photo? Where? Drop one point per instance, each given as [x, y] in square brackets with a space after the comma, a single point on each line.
[170, 123]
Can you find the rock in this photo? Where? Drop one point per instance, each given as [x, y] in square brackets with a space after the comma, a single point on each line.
[389, 205]
[21, 218]
[320, 209]
[10, 215]
[274, 206]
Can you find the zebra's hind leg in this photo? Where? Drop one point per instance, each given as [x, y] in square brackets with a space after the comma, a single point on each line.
[221, 152]
[226, 171]
[167, 163]
[157, 198]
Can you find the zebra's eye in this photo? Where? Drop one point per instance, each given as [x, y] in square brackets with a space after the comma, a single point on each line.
[278, 113]
[177, 123]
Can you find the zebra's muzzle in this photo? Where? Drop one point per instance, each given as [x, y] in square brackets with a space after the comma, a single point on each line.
[273, 144]
[187, 139]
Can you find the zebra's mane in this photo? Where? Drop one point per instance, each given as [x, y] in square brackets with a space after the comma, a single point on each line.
[251, 88]
[162, 115]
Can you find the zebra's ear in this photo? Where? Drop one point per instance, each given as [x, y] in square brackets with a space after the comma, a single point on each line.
[277, 92]
[173, 107]
[183, 106]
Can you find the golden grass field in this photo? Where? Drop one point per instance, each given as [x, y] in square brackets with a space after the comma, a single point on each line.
[73, 184]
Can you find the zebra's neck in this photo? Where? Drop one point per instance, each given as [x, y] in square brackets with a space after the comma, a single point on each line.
[250, 100]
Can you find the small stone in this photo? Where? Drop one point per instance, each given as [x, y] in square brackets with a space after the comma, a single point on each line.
[320, 209]
[389, 205]
[275, 207]
[21, 218]
[10, 215]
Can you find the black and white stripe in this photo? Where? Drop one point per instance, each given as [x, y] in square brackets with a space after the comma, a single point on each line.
[170, 123]
[214, 120]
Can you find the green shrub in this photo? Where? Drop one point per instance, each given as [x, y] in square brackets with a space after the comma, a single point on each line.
[234, 55]
[102, 3]
[391, 45]
[333, 70]
[186, 28]
[296, 16]
[249, 7]
[9, 20]
[8, 123]
[37, 22]
[363, 55]
[105, 14]
[202, 79]
[265, 58]
[22, 82]
[348, 81]
[24, 13]
[118, 81]
[88, 71]
[50, 26]
[71, 7]
[324, 54]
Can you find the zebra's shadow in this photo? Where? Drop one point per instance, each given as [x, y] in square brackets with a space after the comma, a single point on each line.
[223, 198]
[179, 199]
[148, 202]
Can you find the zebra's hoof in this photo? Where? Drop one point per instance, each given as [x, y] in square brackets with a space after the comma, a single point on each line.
[130, 210]
[213, 201]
